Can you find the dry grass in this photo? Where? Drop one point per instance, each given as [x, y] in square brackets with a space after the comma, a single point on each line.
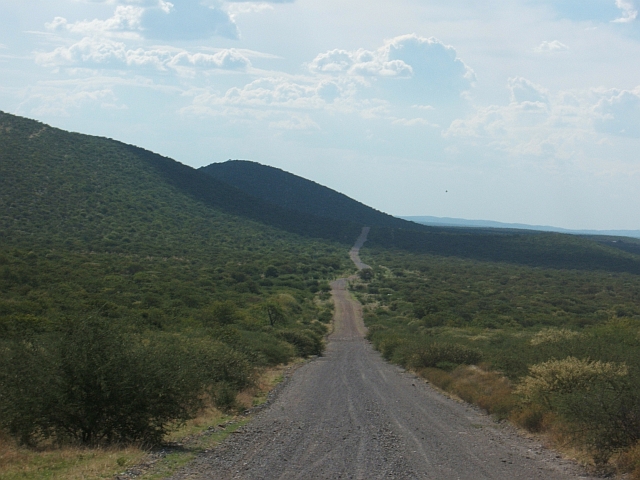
[495, 394]
[68, 463]
[629, 462]
[489, 390]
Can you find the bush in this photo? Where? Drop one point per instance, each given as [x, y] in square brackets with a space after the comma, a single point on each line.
[265, 349]
[444, 353]
[599, 402]
[373, 329]
[221, 313]
[90, 383]
[561, 377]
[306, 342]
[325, 316]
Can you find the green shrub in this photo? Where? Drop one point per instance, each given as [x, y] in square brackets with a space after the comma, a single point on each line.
[373, 329]
[444, 354]
[325, 316]
[221, 313]
[598, 400]
[306, 342]
[388, 346]
[265, 349]
[90, 383]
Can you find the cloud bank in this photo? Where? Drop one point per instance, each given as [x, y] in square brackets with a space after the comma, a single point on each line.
[157, 20]
[104, 53]
[564, 125]
[409, 67]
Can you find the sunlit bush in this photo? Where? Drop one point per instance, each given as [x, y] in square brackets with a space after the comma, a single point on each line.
[558, 377]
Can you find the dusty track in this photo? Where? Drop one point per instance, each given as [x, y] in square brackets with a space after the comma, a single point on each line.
[349, 414]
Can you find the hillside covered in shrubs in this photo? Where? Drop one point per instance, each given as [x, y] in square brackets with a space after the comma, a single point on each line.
[134, 289]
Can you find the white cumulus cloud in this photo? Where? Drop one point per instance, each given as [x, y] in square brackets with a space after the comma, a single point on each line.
[553, 46]
[61, 103]
[125, 20]
[157, 19]
[523, 90]
[619, 113]
[409, 69]
[562, 125]
[629, 11]
[274, 92]
[106, 53]
[359, 62]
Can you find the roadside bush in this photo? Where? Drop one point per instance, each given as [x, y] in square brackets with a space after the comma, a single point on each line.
[90, 383]
[265, 349]
[599, 401]
[443, 355]
[530, 417]
[373, 329]
[489, 390]
[318, 328]
[563, 377]
[306, 342]
[325, 316]
[366, 274]
[629, 462]
[388, 345]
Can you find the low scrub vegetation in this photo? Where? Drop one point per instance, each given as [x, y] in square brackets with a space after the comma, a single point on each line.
[134, 290]
[555, 351]
[89, 383]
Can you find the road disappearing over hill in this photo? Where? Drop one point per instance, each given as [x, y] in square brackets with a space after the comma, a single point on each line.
[351, 415]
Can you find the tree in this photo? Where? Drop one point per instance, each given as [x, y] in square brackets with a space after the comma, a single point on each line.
[366, 274]
[91, 383]
[222, 313]
[274, 312]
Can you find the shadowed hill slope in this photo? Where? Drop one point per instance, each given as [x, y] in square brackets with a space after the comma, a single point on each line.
[538, 249]
[296, 193]
[235, 201]
[525, 247]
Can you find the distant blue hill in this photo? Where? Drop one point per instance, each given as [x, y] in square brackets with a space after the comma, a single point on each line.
[461, 222]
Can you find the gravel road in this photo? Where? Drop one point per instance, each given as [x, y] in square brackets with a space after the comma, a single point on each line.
[350, 414]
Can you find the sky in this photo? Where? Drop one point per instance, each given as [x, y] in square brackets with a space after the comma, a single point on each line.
[522, 111]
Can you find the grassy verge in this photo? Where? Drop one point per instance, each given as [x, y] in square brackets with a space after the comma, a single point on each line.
[68, 463]
[183, 444]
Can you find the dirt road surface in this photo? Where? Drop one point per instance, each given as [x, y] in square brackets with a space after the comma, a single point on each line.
[354, 253]
[351, 415]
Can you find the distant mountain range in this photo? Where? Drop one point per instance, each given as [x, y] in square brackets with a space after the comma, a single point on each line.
[461, 222]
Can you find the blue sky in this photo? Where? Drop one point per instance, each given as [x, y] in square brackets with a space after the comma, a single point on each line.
[515, 111]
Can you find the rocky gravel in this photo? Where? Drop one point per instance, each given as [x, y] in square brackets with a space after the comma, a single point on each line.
[351, 415]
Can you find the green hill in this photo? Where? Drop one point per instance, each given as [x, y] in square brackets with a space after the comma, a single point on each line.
[99, 236]
[69, 194]
[296, 193]
[524, 247]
